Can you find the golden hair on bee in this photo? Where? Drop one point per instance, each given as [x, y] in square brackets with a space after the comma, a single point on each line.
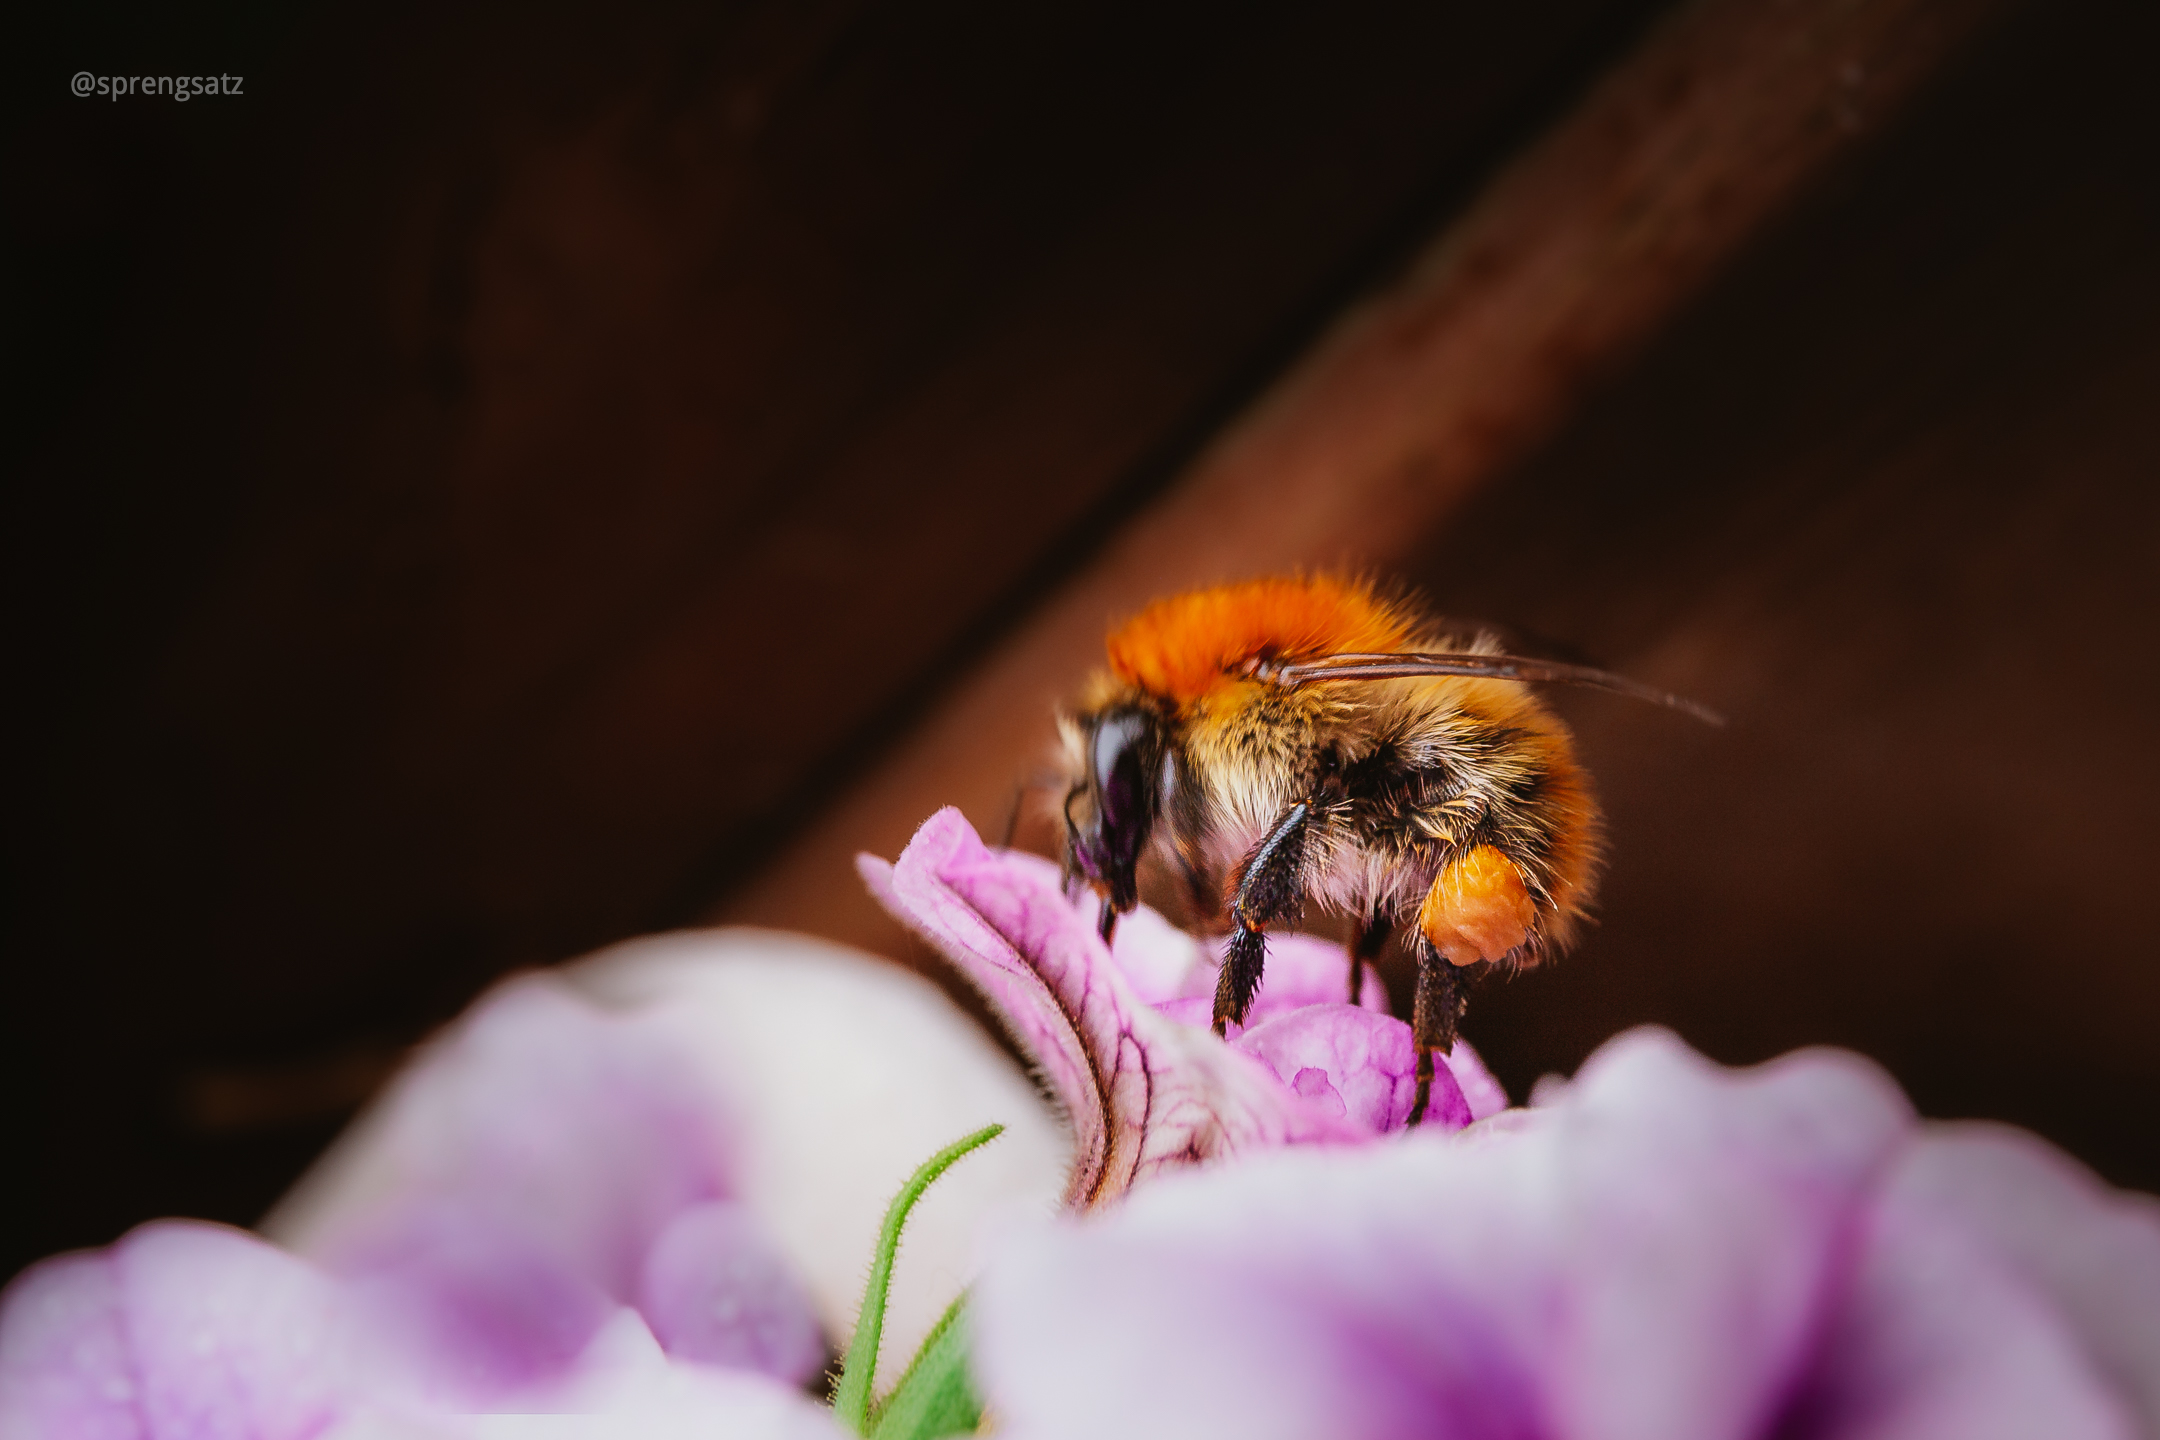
[1303, 739]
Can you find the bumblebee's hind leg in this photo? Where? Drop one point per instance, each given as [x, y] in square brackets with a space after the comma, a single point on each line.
[1478, 911]
[1436, 1014]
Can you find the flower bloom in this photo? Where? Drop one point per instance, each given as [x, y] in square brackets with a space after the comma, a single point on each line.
[644, 1187]
[635, 1197]
[1119, 1034]
[1666, 1250]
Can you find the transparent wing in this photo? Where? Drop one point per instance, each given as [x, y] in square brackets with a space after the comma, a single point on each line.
[1484, 667]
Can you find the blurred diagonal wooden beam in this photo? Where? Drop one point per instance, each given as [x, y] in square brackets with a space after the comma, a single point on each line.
[1567, 262]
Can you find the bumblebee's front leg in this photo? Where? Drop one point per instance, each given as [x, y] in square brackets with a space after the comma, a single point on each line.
[1477, 911]
[1271, 886]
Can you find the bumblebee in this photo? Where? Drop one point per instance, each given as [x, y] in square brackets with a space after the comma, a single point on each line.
[1304, 740]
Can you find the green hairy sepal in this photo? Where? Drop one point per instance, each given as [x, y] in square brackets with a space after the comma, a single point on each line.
[934, 1396]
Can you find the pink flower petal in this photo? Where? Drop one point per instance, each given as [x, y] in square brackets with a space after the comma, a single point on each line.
[640, 1133]
[2000, 1292]
[715, 1289]
[187, 1331]
[1697, 1201]
[1143, 1093]
[1292, 1295]
[1175, 973]
[526, 1175]
[231, 1337]
[1653, 1256]
[2090, 1253]
[64, 1362]
[1481, 1091]
[1312, 1082]
[180, 1330]
[1937, 1340]
[546, 1145]
[626, 1388]
[1368, 1061]
[485, 1308]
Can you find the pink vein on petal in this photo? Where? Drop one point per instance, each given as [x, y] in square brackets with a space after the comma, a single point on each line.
[1144, 1092]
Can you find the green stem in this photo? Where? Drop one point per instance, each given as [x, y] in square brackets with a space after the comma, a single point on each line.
[851, 1396]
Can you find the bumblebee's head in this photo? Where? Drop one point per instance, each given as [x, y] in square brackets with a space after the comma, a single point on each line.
[1111, 809]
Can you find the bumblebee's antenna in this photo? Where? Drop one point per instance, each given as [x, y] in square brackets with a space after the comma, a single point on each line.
[1012, 817]
[1021, 791]
[1480, 667]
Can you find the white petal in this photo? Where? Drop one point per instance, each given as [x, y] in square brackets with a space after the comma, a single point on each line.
[829, 1076]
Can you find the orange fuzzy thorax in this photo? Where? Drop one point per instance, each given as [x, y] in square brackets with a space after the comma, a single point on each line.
[1185, 646]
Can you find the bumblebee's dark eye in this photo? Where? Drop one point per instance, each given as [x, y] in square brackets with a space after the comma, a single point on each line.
[1124, 770]
[1115, 755]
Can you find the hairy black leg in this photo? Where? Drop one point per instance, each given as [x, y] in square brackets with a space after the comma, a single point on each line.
[1433, 1017]
[1443, 992]
[1106, 921]
[1365, 947]
[1424, 1086]
[1239, 977]
[1271, 887]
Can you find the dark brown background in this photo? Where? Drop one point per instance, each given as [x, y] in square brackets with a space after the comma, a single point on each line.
[1889, 497]
[479, 488]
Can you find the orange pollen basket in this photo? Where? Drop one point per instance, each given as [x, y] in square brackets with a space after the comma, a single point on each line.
[1183, 647]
